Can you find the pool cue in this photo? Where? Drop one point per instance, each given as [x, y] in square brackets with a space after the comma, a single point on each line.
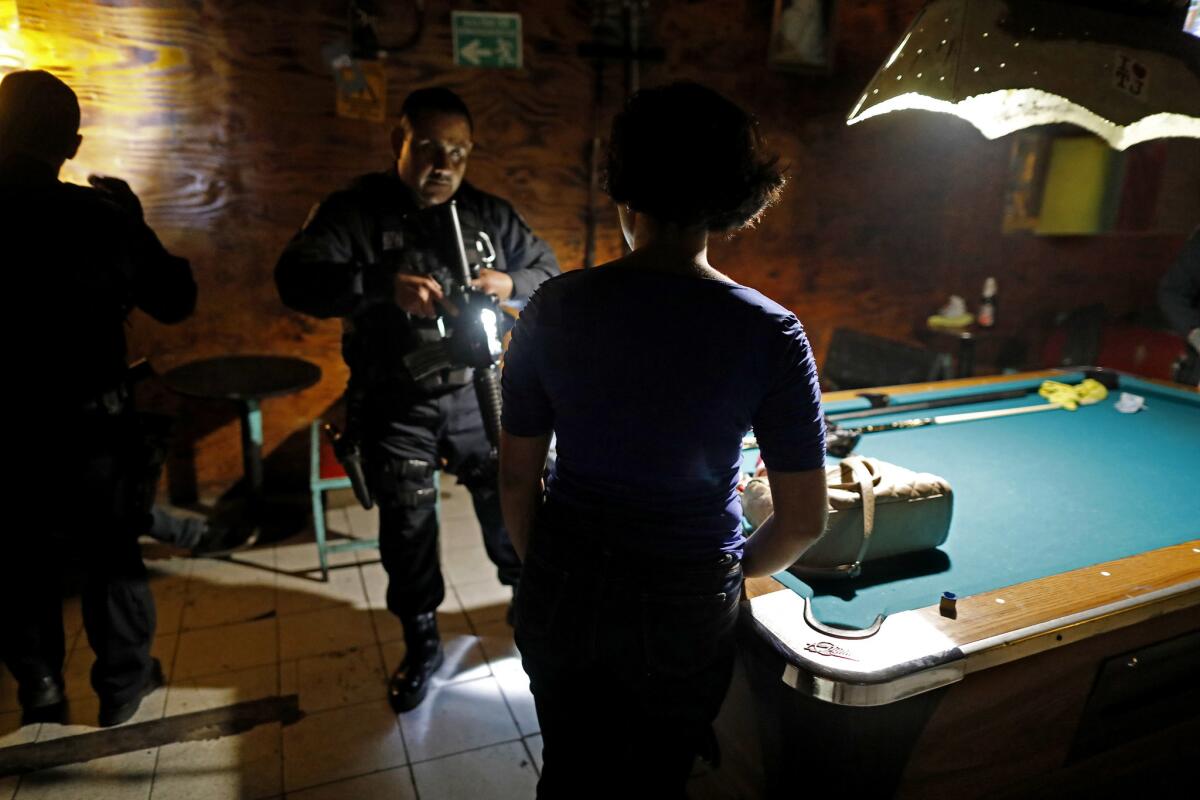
[881, 403]
[841, 441]
[921, 405]
[949, 419]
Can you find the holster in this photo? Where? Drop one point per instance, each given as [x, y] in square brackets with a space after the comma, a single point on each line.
[349, 454]
[347, 446]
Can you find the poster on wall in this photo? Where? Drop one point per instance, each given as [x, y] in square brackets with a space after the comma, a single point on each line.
[361, 89]
[1062, 183]
[1026, 172]
[802, 36]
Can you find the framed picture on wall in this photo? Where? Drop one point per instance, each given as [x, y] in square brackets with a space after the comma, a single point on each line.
[802, 36]
[1066, 182]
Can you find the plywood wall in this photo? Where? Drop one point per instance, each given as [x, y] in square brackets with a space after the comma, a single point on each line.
[221, 115]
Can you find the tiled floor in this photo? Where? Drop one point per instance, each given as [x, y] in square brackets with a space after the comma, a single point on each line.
[263, 625]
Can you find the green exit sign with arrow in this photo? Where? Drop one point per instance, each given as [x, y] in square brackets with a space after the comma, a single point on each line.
[484, 39]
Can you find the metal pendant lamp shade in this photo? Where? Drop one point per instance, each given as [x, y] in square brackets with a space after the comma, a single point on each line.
[1005, 65]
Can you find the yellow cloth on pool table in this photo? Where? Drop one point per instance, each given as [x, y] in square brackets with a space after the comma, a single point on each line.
[1070, 397]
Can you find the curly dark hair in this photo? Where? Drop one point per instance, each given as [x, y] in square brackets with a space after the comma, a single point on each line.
[684, 154]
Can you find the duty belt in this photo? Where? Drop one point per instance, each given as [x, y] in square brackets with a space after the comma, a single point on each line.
[414, 468]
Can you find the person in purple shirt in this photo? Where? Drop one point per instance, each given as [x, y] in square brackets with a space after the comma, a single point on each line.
[650, 370]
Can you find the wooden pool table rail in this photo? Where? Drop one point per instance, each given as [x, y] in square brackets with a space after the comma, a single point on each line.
[989, 629]
[986, 380]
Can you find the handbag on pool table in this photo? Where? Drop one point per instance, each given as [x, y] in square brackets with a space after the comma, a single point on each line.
[876, 510]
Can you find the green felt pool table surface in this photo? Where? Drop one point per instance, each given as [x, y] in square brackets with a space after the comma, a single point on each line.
[1070, 658]
[1034, 494]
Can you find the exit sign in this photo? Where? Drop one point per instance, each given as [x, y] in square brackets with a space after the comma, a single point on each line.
[483, 39]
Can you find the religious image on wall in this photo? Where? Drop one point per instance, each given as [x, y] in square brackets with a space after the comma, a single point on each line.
[802, 35]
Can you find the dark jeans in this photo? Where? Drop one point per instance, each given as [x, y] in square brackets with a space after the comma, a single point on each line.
[90, 532]
[629, 659]
[450, 428]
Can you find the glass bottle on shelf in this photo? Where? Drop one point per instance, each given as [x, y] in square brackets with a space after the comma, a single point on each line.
[987, 305]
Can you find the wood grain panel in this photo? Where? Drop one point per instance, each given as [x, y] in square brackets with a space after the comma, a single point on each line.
[220, 113]
[883, 220]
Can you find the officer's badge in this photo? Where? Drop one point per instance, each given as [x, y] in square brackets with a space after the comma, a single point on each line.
[393, 240]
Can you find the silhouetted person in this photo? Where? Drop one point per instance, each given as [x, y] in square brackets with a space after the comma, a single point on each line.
[650, 370]
[82, 259]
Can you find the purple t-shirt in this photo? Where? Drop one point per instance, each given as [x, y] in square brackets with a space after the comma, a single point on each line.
[650, 380]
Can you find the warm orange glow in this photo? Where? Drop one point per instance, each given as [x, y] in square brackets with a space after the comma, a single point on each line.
[114, 62]
[12, 56]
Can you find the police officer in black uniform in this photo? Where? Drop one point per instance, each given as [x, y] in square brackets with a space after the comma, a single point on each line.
[84, 258]
[376, 254]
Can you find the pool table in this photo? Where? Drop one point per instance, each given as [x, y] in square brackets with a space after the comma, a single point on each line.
[1072, 656]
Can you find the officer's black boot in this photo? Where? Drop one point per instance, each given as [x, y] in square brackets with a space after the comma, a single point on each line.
[42, 700]
[410, 681]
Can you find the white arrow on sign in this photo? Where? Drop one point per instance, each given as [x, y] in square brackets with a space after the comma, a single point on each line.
[473, 51]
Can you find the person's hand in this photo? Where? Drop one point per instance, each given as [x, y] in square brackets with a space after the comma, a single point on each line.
[117, 191]
[1193, 339]
[416, 294]
[495, 283]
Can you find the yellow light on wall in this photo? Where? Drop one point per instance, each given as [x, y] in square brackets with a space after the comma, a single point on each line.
[12, 57]
[1004, 65]
[132, 78]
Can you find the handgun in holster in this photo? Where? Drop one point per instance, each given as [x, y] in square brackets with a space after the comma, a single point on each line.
[348, 451]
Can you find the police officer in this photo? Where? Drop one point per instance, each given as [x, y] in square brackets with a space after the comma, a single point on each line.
[376, 254]
[84, 258]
